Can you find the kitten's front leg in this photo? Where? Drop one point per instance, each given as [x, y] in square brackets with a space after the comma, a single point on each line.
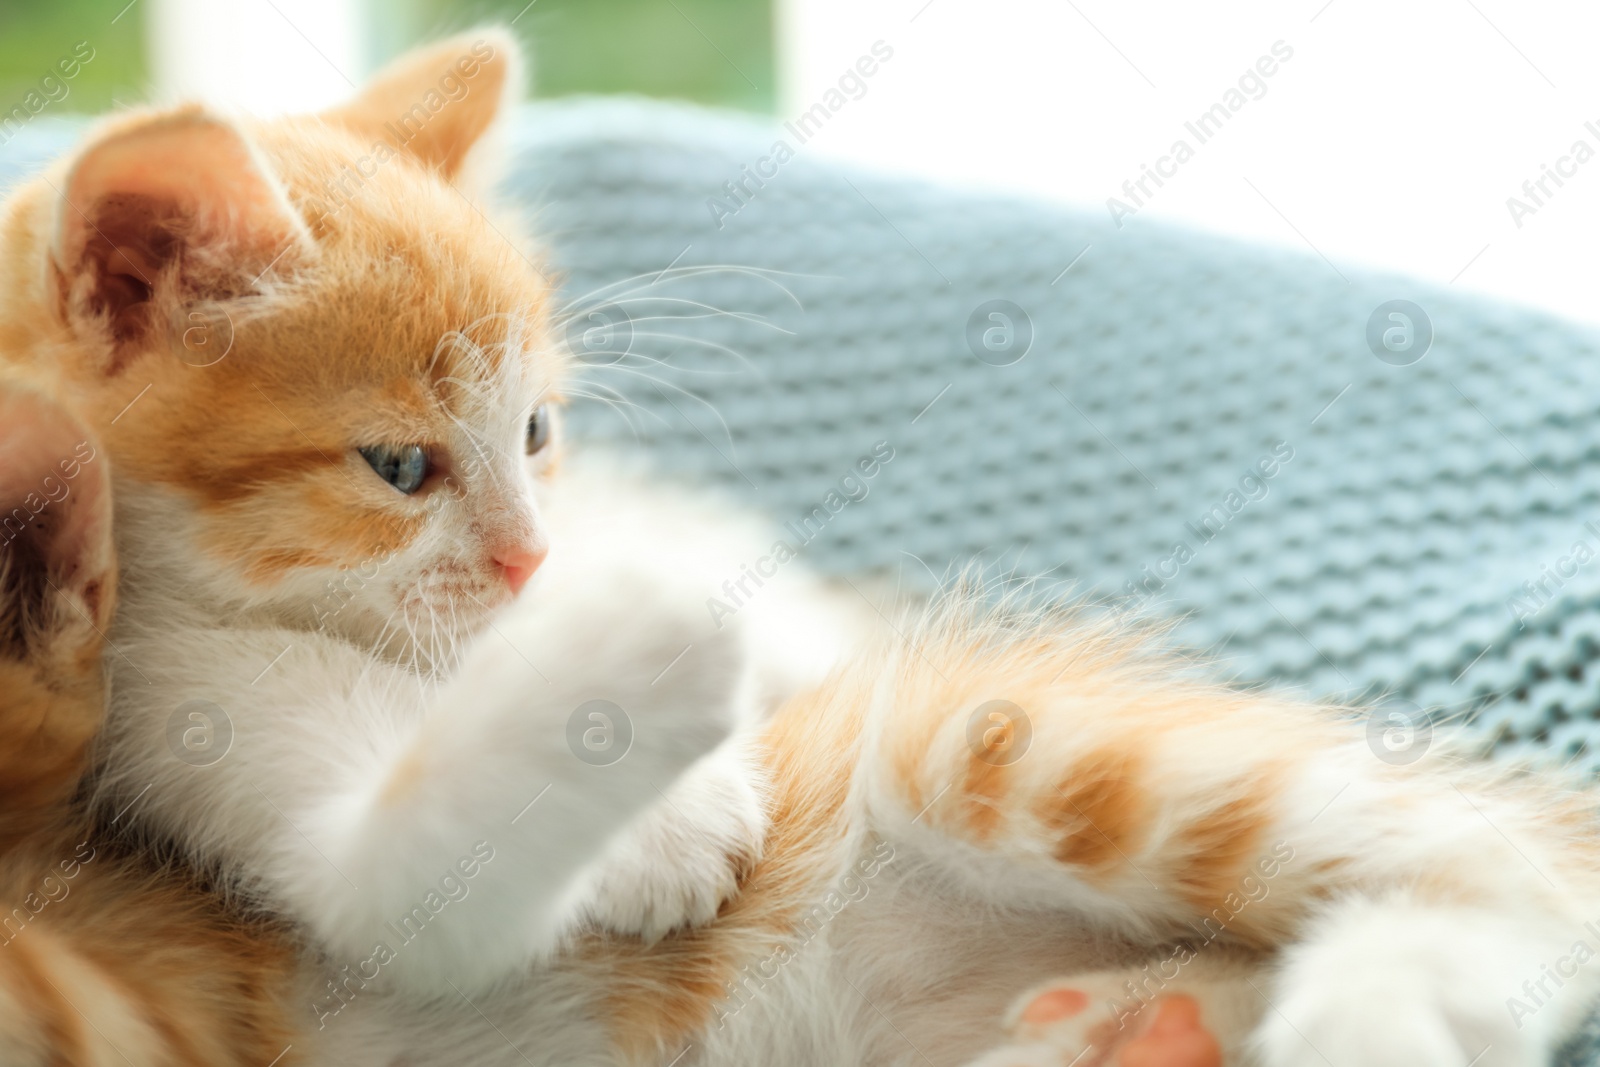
[677, 863]
[565, 721]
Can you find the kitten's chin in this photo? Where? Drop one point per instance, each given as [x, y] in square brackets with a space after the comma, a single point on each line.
[420, 646]
[427, 632]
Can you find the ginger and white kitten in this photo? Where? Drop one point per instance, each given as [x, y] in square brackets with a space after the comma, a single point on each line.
[327, 379]
[324, 377]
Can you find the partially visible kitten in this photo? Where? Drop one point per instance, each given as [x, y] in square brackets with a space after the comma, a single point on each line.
[104, 958]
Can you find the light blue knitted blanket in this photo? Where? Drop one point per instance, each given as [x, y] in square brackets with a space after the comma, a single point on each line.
[1357, 485]
[1174, 421]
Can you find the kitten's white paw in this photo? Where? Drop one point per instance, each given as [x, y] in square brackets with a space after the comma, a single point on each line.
[629, 635]
[676, 865]
[1394, 983]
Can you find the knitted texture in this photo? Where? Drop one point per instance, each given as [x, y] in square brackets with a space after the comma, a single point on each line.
[1168, 421]
[1409, 500]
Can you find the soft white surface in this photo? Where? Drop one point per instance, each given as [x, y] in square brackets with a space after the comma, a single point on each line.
[1392, 138]
[268, 57]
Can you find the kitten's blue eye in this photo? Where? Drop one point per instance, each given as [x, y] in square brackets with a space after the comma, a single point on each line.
[404, 466]
[538, 429]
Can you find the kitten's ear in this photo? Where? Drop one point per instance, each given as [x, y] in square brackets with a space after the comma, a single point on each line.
[163, 210]
[57, 568]
[441, 102]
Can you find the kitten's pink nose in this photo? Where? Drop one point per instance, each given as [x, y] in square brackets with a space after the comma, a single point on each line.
[518, 564]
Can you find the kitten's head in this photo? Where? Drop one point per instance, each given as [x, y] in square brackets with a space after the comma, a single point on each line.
[323, 372]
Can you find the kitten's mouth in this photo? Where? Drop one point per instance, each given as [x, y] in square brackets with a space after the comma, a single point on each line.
[453, 593]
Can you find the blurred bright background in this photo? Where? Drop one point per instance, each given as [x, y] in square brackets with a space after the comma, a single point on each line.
[1393, 137]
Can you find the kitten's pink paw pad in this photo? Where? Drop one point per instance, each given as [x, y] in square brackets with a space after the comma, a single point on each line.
[1177, 1038]
[1054, 1005]
[1073, 1014]
[1078, 1023]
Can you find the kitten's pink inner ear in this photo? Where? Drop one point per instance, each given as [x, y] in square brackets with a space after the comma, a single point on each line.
[141, 199]
[438, 102]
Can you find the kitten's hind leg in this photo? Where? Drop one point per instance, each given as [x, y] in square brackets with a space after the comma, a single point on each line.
[1396, 981]
[1053, 773]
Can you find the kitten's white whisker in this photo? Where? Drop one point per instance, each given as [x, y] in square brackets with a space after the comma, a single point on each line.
[581, 390]
[684, 339]
[659, 278]
[662, 384]
[713, 312]
[622, 405]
